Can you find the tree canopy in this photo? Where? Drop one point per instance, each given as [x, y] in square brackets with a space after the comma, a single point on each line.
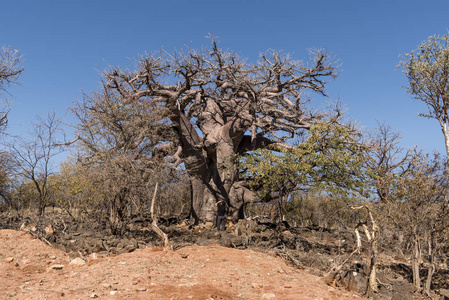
[427, 70]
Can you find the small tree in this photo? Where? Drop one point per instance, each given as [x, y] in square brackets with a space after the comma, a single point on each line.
[33, 157]
[10, 69]
[421, 212]
[123, 147]
[75, 189]
[427, 70]
[330, 159]
[386, 161]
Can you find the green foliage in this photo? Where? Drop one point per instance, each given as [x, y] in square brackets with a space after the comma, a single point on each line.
[329, 159]
[75, 189]
[427, 69]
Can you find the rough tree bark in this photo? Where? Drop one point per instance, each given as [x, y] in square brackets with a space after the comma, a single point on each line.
[221, 106]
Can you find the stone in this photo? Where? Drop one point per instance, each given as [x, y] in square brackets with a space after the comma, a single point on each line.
[8, 259]
[49, 230]
[77, 262]
[29, 227]
[93, 256]
[56, 267]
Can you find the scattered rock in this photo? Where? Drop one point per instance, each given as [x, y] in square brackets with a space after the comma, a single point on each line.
[49, 230]
[29, 227]
[268, 296]
[93, 256]
[8, 259]
[56, 267]
[93, 295]
[256, 286]
[77, 262]
[287, 233]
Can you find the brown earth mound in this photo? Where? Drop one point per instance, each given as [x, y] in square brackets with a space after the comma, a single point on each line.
[32, 269]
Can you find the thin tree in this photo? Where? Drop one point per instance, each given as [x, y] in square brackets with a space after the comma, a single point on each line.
[386, 160]
[34, 156]
[10, 69]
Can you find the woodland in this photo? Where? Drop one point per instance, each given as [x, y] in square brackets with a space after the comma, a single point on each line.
[161, 142]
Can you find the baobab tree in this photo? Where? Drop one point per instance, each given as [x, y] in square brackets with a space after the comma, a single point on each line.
[211, 106]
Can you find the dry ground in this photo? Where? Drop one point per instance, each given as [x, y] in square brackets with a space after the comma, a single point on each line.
[29, 270]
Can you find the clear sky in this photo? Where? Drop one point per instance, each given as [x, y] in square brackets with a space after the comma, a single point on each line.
[65, 43]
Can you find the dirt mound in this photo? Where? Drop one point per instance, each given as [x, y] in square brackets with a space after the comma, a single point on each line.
[32, 269]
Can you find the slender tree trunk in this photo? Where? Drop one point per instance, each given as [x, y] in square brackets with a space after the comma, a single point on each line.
[432, 257]
[415, 260]
[154, 225]
[446, 139]
[372, 280]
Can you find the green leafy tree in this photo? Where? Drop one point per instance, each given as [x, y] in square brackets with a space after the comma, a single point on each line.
[427, 70]
[330, 159]
[74, 188]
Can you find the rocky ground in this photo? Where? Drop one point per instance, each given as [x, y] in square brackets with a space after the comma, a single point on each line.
[31, 269]
[56, 257]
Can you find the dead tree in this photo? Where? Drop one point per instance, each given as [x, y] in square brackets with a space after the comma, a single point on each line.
[154, 225]
[33, 156]
[373, 238]
[10, 69]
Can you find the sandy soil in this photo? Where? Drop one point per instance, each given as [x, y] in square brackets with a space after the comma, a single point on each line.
[32, 269]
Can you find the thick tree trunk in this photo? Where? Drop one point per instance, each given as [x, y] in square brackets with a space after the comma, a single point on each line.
[211, 186]
[210, 163]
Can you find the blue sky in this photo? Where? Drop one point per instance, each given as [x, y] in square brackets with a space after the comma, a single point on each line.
[65, 43]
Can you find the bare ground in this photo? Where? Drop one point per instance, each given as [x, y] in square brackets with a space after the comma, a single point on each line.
[32, 269]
